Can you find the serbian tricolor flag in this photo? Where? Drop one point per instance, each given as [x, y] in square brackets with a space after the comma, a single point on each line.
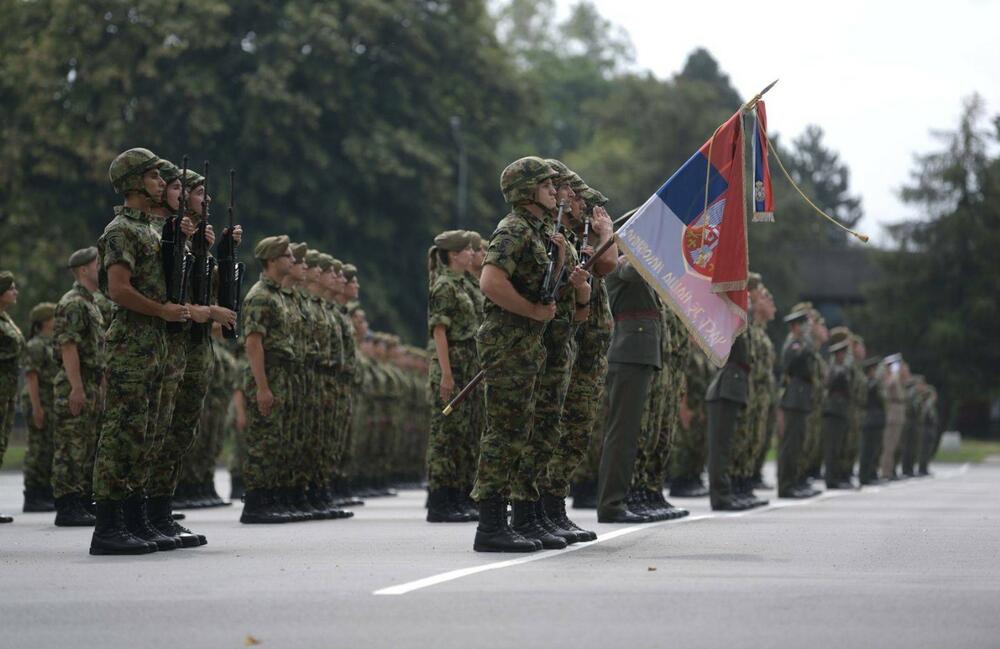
[689, 240]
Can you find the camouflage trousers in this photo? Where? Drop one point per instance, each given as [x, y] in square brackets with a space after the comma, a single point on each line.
[579, 416]
[239, 452]
[266, 437]
[550, 396]
[449, 452]
[75, 438]
[199, 464]
[8, 391]
[331, 397]
[690, 445]
[38, 455]
[651, 435]
[347, 428]
[137, 360]
[768, 424]
[750, 433]
[173, 374]
[587, 470]
[183, 430]
[513, 356]
[304, 434]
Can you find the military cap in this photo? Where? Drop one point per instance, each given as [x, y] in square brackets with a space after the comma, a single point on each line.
[350, 271]
[796, 315]
[475, 239]
[754, 281]
[452, 240]
[803, 306]
[312, 258]
[839, 345]
[82, 257]
[838, 334]
[325, 261]
[593, 196]
[299, 250]
[42, 312]
[338, 266]
[271, 247]
[6, 280]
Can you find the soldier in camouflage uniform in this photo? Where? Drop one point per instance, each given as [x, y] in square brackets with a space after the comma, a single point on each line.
[267, 384]
[452, 320]
[40, 367]
[79, 338]
[476, 407]
[690, 444]
[11, 349]
[511, 351]
[131, 273]
[349, 378]
[586, 384]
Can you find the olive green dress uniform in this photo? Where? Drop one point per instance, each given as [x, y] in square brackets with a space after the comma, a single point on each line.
[510, 349]
[40, 358]
[266, 312]
[137, 358]
[11, 350]
[797, 362]
[78, 320]
[449, 451]
[836, 418]
[871, 428]
[727, 397]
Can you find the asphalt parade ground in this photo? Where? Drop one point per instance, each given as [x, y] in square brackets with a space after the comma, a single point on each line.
[912, 564]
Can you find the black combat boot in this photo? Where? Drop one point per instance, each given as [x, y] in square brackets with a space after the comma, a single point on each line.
[182, 496]
[584, 494]
[4, 518]
[332, 506]
[550, 526]
[111, 535]
[656, 498]
[259, 509]
[688, 488]
[465, 504]
[301, 500]
[35, 501]
[161, 518]
[137, 521]
[441, 507]
[285, 497]
[746, 489]
[236, 490]
[70, 512]
[524, 521]
[555, 509]
[494, 534]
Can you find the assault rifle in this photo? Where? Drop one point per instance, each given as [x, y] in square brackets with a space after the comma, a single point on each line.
[203, 267]
[177, 261]
[478, 378]
[231, 269]
[551, 281]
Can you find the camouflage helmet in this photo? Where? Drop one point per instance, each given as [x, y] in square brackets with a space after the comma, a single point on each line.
[564, 175]
[126, 170]
[521, 177]
[169, 172]
[192, 180]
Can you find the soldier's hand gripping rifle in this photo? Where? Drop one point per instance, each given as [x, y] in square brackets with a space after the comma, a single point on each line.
[478, 378]
[203, 266]
[177, 261]
[231, 270]
[553, 270]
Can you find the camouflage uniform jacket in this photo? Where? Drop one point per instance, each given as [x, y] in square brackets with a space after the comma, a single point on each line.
[334, 360]
[40, 358]
[78, 319]
[471, 286]
[106, 307]
[451, 306]
[266, 312]
[518, 248]
[131, 239]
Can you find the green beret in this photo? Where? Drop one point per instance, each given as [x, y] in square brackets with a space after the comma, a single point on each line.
[169, 172]
[300, 250]
[6, 280]
[312, 258]
[452, 240]
[82, 257]
[42, 312]
[350, 271]
[193, 180]
[325, 261]
[338, 266]
[593, 196]
[271, 247]
[754, 281]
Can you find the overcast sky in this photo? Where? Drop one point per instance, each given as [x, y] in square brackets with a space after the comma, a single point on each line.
[877, 76]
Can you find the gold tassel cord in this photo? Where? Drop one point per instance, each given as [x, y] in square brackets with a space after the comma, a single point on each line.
[774, 152]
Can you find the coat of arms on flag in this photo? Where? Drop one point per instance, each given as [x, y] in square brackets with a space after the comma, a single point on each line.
[689, 239]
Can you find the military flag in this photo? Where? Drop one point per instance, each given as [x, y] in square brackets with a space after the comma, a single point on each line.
[689, 240]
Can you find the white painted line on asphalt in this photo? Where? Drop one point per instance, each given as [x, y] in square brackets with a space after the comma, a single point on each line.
[452, 575]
